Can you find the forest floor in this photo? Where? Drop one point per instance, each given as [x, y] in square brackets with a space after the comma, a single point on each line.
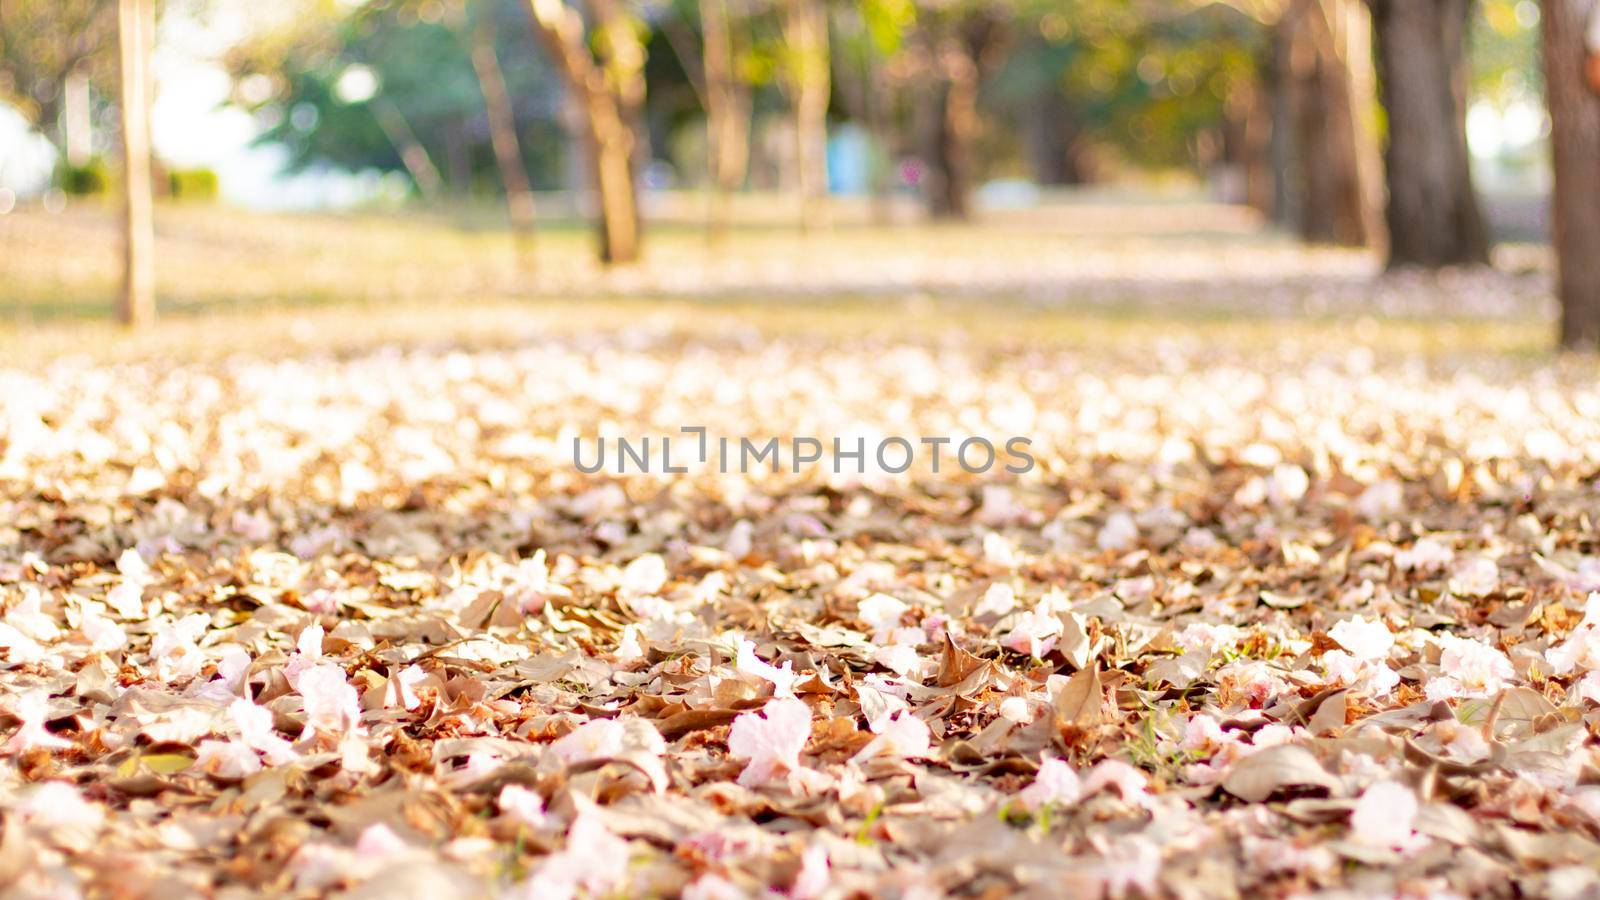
[312, 597]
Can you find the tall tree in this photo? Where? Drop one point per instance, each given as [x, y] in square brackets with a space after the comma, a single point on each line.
[47, 46]
[1575, 143]
[502, 120]
[1323, 133]
[135, 34]
[712, 67]
[1433, 213]
[602, 61]
[808, 83]
[424, 174]
[963, 41]
[869, 36]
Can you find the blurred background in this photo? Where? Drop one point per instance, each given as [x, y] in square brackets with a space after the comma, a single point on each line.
[1268, 155]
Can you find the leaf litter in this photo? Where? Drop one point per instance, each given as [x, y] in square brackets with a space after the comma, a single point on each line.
[1257, 622]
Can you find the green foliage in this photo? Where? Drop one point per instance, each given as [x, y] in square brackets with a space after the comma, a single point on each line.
[93, 178]
[418, 59]
[1145, 85]
[42, 42]
[1505, 52]
[194, 185]
[887, 22]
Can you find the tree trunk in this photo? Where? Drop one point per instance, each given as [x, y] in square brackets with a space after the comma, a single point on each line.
[502, 125]
[727, 112]
[1054, 140]
[1323, 135]
[1247, 135]
[609, 92]
[874, 103]
[955, 129]
[962, 50]
[77, 122]
[1433, 213]
[612, 162]
[135, 34]
[424, 174]
[1575, 143]
[458, 159]
[810, 83]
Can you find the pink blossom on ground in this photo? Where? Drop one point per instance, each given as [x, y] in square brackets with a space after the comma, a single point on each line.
[523, 805]
[33, 708]
[770, 740]
[19, 647]
[1469, 668]
[332, 707]
[1033, 632]
[380, 842]
[255, 729]
[594, 860]
[227, 759]
[998, 550]
[1131, 784]
[901, 659]
[1130, 867]
[998, 600]
[711, 886]
[1588, 688]
[1372, 676]
[174, 650]
[781, 677]
[1055, 785]
[401, 688]
[1581, 649]
[308, 653]
[883, 613]
[1204, 733]
[1251, 682]
[1385, 816]
[905, 736]
[104, 634]
[1204, 637]
[1016, 709]
[57, 804]
[1426, 554]
[1364, 639]
[645, 576]
[812, 882]
[594, 739]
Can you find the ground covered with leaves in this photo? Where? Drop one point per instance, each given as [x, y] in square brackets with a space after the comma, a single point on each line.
[1262, 620]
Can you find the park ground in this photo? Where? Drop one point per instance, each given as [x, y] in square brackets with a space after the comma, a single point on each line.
[303, 592]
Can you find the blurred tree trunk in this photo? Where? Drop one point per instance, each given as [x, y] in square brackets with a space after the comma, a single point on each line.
[875, 109]
[727, 102]
[805, 32]
[961, 50]
[135, 34]
[1323, 133]
[77, 121]
[859, 79]
[458, 159]
[955, 129]
[1055, 140]
[607, 88]
[1247, 145]
[1575, 143]
[502, 126]
[1434, 218]
[424, 174]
